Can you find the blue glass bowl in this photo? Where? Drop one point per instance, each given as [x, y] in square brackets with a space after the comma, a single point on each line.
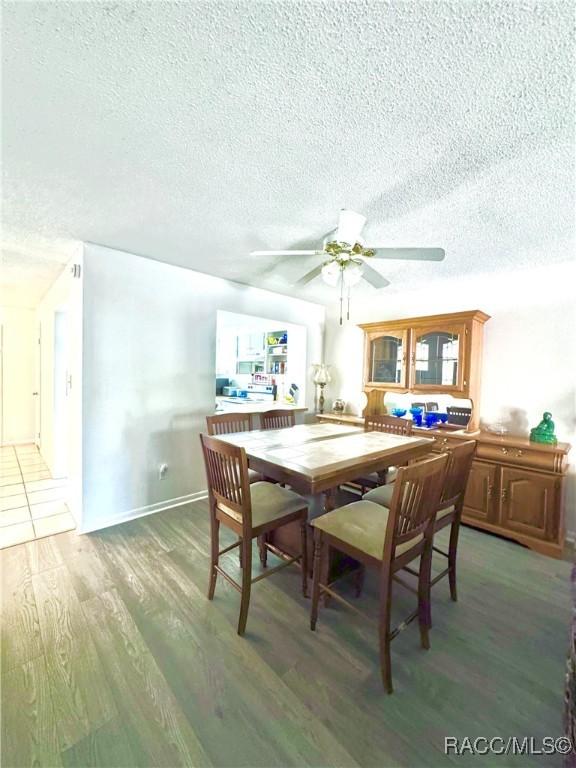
[443, 417]
[431, 419]
[399, 412]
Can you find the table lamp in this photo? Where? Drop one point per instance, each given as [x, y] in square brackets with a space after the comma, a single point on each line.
[321, 377]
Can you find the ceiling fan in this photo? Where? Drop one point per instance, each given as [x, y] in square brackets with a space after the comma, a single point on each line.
[345, 255]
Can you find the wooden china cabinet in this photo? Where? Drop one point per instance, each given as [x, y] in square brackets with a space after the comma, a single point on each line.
[516, 488]
[437, 354]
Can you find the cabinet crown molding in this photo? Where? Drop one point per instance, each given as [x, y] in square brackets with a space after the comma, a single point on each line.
[474, 314]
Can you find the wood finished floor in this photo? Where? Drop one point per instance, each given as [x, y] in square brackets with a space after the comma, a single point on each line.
[112, 656]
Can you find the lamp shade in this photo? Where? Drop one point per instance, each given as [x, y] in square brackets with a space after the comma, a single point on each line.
[321, 374]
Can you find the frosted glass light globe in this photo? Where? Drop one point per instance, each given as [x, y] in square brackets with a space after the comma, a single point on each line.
[352, 274]
[331, 273]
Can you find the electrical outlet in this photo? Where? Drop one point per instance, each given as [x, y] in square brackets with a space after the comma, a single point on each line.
[162, 470]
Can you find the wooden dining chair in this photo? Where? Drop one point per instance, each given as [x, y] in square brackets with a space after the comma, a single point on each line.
[388, 540]
[393, 426]
[450, 504]
[277, 419]
[251, 511]
[226, 424]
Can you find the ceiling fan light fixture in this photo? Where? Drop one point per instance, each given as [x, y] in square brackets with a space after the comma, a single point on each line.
[331, 273]
[352, 273]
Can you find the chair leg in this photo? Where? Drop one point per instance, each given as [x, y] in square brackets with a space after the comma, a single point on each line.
[359, 575]
[452, 552]
[382, 476]
[214, 548]
[304, 558]
[263, 551]
[240, 551]
[246, 548]
[424, 595]
[316, 578]
[384, 636]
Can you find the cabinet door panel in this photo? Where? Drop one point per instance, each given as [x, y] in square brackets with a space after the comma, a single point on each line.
[438, 357]
[480, 492]
[386, 359]
[529, 502]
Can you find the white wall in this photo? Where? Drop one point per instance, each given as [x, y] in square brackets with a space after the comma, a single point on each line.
[149, 367]
[18, 380]
[529, 345]
[63, 452]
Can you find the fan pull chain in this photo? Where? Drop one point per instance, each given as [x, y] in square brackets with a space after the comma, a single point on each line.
[341, 292]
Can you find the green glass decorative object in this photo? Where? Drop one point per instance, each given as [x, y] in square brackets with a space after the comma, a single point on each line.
[544, 432]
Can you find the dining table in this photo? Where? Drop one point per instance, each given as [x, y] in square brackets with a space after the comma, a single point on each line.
[316, 459]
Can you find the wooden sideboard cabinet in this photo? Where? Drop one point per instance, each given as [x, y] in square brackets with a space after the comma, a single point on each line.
[515, 488]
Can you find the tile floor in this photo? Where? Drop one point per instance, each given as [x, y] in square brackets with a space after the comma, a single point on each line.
[32, 503]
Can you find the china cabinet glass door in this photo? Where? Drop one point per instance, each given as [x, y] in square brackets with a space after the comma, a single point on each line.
[386, 359]
[437, 358]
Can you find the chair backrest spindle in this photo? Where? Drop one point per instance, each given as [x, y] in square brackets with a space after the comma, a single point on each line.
[227, 474]
[417, 491]
[226, 423]
[391, 424]
[277, 419]
[460, 459]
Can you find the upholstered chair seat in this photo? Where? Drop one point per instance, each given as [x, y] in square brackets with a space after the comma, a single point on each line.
[383, 496]
[362, 525]
[270, 502]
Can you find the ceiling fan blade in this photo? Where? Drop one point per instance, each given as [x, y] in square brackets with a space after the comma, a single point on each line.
[410, 254]
[310, 275]
[374, 277]
[286, 253]
[350, 225]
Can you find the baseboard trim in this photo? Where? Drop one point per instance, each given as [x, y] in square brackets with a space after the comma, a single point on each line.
[15, 443]
[150, 509]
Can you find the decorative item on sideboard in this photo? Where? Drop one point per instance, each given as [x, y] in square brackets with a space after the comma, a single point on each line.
[416, 412]
[338, 405]
[544, 432]
[321, 377]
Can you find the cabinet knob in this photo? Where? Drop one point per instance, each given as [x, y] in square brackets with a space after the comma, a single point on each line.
[490, 491]
[504, 494]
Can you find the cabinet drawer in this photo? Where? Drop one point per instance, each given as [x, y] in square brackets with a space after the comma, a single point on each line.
[505, 454]
[441, 443]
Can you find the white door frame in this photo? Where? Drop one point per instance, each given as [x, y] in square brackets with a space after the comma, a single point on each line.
[37, 394]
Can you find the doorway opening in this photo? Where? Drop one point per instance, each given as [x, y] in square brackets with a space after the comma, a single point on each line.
[39, 487]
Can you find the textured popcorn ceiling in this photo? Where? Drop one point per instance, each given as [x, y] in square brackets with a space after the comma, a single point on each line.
[195, 132]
